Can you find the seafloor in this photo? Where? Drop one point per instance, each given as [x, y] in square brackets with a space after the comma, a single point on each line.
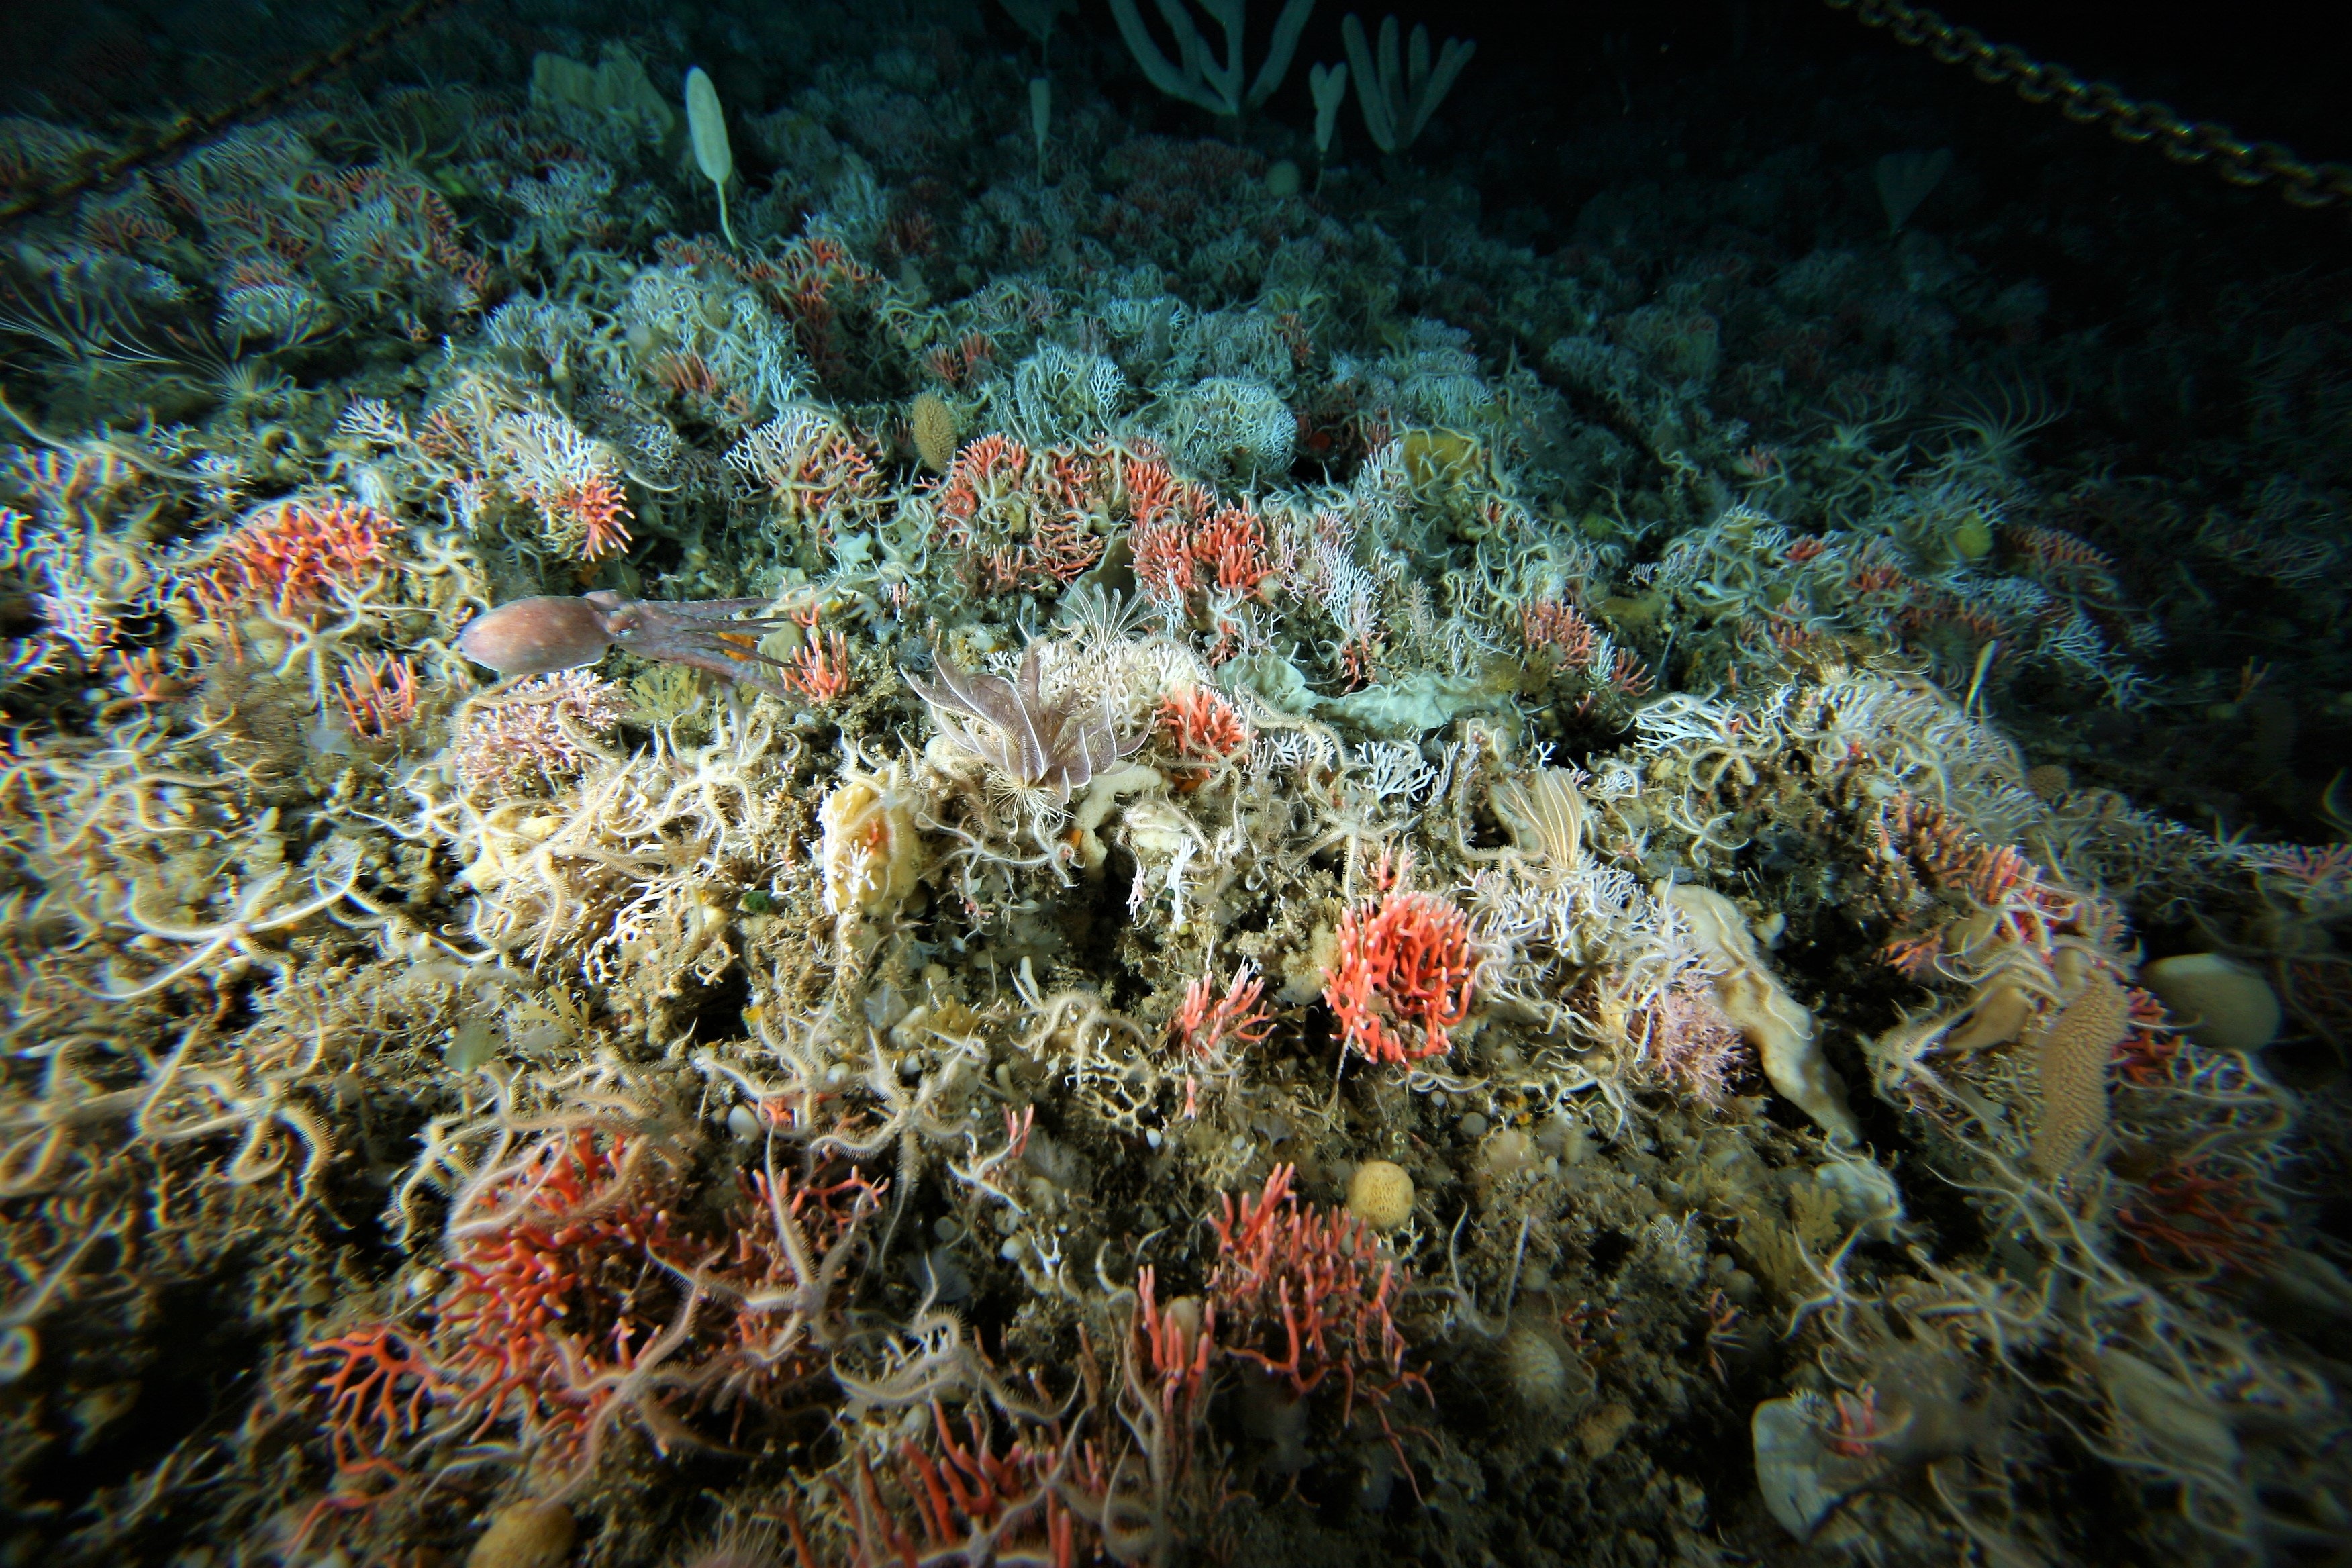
[1592, 823]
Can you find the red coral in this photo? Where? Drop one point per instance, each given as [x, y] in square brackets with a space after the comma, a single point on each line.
[2185, 1222]
[288, 556]
[974, 1502]
[1203, 725]
[1406, 958]
[574, 1299]
[1184, 551]
[1205, 1021]
[1313, 1283]
[1021, 520]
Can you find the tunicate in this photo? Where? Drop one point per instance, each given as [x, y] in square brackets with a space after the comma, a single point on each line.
[937, 1277]
[1505, 1153]
[744, 1121]
[1473, 1125]
[2228, 1006]
[1865, 1194]
[1532, 1368]
[1563, 1139]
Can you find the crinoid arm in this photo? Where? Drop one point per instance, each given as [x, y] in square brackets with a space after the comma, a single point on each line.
[1037, 744]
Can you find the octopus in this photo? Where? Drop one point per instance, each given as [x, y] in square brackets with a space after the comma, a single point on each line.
[533, 637]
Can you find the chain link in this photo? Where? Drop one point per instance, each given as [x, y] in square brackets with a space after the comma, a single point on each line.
[191, 129]
[2241, 163]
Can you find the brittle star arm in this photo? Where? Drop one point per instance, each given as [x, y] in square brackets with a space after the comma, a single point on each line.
[248, 921]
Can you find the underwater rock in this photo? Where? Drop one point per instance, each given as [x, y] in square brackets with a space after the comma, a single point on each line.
[1409, 708]
[2178, 1422]
[1270, 678]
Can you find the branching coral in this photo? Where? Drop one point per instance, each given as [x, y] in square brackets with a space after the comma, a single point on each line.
[1404, 959]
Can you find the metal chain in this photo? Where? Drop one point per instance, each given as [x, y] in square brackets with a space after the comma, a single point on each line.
[2241, 163]
[191, 129]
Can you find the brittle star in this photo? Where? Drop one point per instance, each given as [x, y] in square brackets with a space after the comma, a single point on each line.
[1832, 1274]
[237, 932]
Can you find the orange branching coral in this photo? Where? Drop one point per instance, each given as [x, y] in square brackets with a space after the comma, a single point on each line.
[1025, 520]
[575, 1298]
[2187, 1220]
[602, 515]
[820, 670]
[1204, 1021]
[1918, 839]
[1317, 1286]
[378, 694]
[811, 468]
[1188, 548]
[1203, 725]
[288, 555]
[1557, 631]
[1405, 958]
[573, 482]
[980, 1499]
